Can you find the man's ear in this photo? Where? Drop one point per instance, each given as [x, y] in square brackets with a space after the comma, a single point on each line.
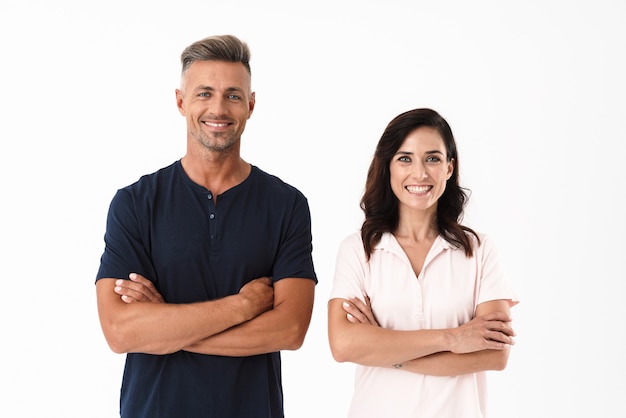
[180, 104]
[251, 104]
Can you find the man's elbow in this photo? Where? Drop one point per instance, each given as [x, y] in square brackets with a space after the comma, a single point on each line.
[123, 342]
[117, 349]
[294, 337]
[116, 339]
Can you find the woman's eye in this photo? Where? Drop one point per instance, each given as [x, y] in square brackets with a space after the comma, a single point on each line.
[404, 159]
[433, 159]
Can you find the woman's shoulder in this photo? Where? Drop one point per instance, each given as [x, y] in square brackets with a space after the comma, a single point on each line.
[483, 242]
[352, 239]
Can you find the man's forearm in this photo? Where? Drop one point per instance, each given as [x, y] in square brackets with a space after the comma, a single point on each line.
[161, 328]
[281, 328]
[268, 332]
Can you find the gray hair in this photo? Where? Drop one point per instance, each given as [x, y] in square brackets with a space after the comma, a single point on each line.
[217, 48]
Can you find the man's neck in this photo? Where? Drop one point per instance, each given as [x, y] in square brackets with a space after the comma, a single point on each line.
[216, 174]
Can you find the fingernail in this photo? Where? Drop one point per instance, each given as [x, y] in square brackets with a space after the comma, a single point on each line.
[346, 305]
[118, 282]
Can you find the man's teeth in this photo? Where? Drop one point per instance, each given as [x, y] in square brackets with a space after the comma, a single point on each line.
[418, 189]
[216, 125]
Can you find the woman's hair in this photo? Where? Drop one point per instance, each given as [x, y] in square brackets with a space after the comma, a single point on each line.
[380, 204]
[217, 48]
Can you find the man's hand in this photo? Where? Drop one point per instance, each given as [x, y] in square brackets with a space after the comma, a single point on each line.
[491, 331]
[258, 295]
[359, 312]
[137, 289]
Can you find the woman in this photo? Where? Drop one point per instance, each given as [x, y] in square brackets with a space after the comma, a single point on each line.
[419, 302]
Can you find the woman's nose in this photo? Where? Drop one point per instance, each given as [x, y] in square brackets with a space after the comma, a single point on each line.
[419, 171]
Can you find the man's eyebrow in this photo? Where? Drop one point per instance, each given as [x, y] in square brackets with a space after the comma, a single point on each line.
[209, 88]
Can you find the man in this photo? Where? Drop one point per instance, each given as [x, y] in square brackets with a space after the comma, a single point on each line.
[207, 271]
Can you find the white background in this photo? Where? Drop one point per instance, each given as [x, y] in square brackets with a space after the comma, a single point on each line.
[534, 92]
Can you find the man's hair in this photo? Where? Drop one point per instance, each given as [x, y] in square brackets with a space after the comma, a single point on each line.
[217, 48]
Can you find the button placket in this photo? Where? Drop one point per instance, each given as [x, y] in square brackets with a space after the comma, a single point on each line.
[211, 212]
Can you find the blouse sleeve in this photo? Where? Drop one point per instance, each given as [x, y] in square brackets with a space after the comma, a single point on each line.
[350, 268]
[494, 282]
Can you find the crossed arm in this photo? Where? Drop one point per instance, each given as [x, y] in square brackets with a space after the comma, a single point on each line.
[261, 318]
[480, 344]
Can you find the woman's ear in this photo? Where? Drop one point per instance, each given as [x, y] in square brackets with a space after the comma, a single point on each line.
[450, 168]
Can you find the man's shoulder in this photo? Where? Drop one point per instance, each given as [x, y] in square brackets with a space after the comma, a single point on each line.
[156, 177]
[274, 183]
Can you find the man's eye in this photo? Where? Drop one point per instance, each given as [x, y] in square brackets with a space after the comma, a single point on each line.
[204, 94]
[234, 97]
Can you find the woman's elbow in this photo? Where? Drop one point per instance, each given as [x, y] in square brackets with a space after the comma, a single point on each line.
[340, 349]
[339, 356]
[500, 359]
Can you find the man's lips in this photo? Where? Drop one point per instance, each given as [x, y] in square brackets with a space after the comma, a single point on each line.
[216, 124]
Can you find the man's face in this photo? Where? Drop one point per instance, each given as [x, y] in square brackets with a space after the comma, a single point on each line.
[216, 99]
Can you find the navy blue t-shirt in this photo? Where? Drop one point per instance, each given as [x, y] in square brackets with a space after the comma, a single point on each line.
[169, 229]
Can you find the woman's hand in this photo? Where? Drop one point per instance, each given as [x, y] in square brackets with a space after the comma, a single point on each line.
[359, 312]
[491, 331]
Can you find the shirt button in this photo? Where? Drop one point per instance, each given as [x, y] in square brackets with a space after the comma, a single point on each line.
[210, 196]
[211, 216]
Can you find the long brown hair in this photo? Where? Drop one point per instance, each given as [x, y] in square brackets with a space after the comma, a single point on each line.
[380, 204]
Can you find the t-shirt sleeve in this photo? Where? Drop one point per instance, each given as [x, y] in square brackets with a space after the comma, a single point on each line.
[125, 250]
[295, 256]
[494, 282]
[349, 278]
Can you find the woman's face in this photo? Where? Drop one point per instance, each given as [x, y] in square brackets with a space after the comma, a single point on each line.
[419, 170]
